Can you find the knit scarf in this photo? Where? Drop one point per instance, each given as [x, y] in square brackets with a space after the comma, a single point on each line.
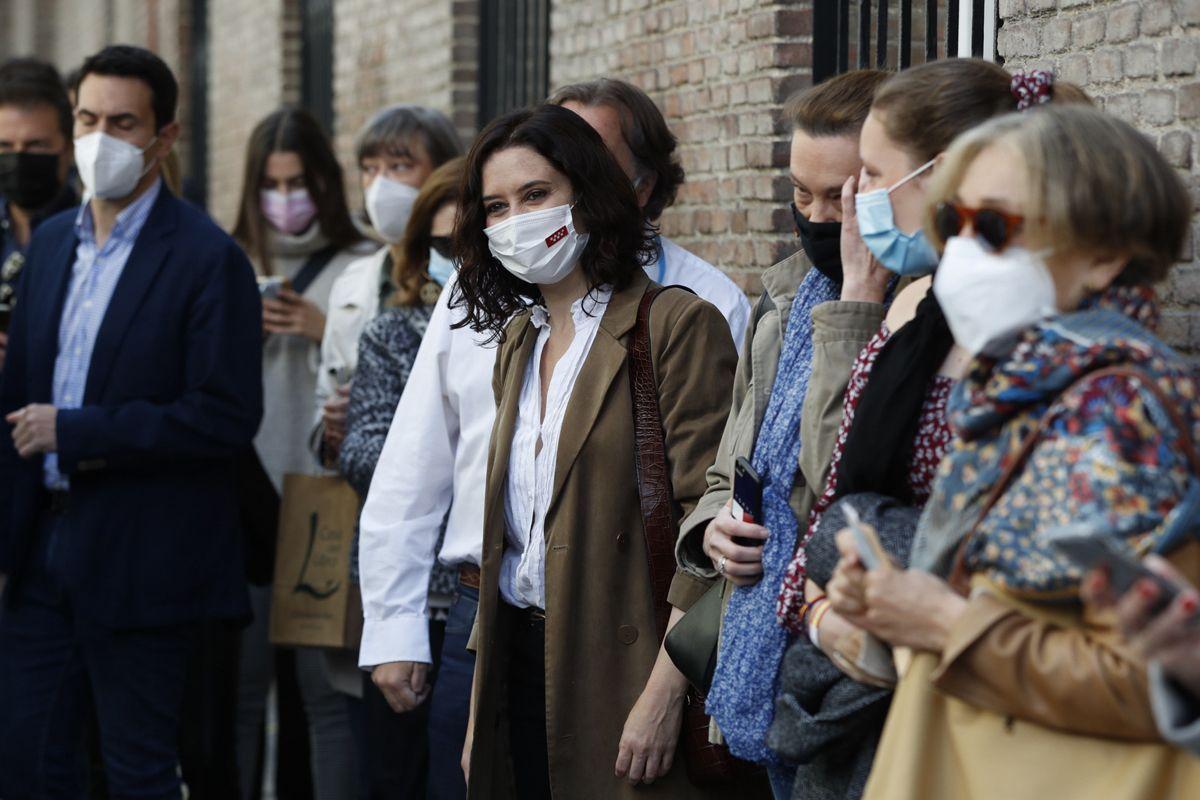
[742, 697]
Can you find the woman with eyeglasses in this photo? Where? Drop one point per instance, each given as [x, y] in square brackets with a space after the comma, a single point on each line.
[894, 428]
[1075, 440]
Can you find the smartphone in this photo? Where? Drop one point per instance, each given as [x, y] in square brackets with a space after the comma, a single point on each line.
[1124, 569]
[270, 285]
[747, 492]
[5, 317]
[870, 550]
[747, 498]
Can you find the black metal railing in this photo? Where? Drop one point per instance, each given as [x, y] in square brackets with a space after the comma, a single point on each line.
[891, 34]
[514, 55]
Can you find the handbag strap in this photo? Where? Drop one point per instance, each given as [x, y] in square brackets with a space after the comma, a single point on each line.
[650, 461]
[313, 267]
[959, 578]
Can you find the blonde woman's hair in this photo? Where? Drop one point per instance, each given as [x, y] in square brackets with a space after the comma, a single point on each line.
[1096, 185]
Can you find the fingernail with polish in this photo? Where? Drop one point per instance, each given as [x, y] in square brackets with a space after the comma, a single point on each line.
[1189, 603]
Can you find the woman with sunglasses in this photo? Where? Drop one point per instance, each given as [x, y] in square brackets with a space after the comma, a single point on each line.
[392, 726]
[1075, 435]
[573, 689]
[894, 429]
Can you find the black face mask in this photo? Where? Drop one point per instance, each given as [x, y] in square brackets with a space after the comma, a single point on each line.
[29, 180]
[822, 241]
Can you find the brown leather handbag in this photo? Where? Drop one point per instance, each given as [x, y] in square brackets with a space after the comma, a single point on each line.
[707, 763]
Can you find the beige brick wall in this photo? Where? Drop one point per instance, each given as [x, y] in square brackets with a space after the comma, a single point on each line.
[254, 57]
[401, 51]
[720, 71]
[1139, 61]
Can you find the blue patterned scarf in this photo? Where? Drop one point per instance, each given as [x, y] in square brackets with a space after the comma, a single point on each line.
[742, 697]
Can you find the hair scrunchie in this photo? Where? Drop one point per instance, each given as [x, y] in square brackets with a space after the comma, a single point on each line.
[1032, 88]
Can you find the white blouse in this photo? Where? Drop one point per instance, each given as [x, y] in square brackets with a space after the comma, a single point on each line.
[530, 471]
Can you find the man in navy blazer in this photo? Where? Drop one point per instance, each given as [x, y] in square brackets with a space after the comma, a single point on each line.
[133, 376]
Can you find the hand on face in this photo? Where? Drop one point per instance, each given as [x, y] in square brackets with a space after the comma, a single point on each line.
[864, 278]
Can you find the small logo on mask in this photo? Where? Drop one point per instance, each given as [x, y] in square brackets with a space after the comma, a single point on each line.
[556, 237]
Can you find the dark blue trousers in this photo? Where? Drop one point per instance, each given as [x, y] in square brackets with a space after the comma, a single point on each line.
[53, 661]
[450, 703]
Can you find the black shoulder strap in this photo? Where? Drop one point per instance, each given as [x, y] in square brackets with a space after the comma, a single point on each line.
[312, 268]
[765, 304]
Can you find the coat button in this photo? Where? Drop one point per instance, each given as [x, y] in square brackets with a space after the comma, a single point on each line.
[627, 634]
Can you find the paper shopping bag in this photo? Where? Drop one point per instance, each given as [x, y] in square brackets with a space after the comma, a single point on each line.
[313, 602]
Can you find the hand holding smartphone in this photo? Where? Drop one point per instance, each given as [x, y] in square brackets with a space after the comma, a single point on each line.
[269, 286]
[747, 498]
[866, 541]
[1124, 570]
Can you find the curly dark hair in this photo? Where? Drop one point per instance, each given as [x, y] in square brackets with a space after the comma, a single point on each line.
[644, 129]
[619, 243]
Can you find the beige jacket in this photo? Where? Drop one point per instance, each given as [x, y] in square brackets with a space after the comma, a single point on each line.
[840, 331]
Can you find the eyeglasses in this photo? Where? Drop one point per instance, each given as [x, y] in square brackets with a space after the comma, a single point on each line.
[995, 228]
[442, 244]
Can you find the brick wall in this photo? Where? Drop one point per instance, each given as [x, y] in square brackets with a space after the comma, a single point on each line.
[401, 51]
[254, 56]
[720, 71]
[1139, 61]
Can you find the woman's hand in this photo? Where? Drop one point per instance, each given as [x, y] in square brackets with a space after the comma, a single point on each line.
[904, 607]
[333, 417]
[465, 761]
[651, 733]
[1172, 636]
[740, 564]
[293, 314]
[864, 279]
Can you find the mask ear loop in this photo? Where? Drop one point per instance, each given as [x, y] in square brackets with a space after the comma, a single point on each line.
[911, 175]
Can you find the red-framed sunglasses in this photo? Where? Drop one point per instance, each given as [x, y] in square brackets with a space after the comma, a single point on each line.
[995, 228]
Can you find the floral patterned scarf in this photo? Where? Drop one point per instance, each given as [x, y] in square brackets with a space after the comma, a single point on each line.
[1109, 460]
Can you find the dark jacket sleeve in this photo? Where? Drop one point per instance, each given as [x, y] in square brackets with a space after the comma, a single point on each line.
[13, 396]
[219, 409]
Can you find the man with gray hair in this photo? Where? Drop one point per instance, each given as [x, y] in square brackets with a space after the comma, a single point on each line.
[636, 133]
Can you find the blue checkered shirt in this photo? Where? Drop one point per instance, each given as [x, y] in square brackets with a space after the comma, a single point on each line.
[94, 276]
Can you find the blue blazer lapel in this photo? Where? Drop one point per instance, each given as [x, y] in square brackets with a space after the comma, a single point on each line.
[149, 253]
[47, 308]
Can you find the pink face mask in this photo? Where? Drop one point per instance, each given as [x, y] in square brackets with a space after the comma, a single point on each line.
[290, 212]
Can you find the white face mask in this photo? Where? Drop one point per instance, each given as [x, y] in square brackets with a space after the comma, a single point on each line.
[389, 205]
[989, 298]
[539, 246]
[110, 168]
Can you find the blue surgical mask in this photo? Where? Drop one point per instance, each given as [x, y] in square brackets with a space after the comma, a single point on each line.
[440, 268]
[908, 254]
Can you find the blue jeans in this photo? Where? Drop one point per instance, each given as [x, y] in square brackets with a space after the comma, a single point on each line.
[451, 701]
[51, 660]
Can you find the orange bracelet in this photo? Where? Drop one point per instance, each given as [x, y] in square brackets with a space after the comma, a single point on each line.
[821, 606]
